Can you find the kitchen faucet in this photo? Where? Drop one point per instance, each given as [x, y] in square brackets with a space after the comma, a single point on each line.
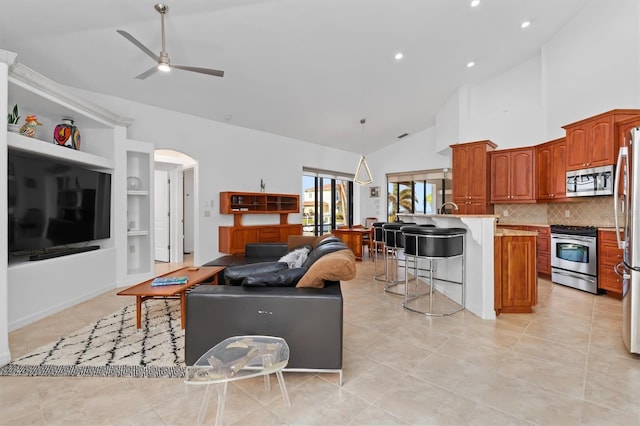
[442, 211]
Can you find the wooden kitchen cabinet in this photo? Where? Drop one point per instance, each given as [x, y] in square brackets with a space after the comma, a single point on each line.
[232, 239]
[623, 129]
[544, 250]
[609, 255]
[512, 175]
[543, 245]
[515, 280]
[551, 182]
[471, 177]
[592, 142]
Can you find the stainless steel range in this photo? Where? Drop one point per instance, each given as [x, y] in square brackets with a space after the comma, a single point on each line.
[574, 256]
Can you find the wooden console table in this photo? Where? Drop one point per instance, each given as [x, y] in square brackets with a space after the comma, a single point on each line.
[145, 290]
[353, 237]
[232, 239]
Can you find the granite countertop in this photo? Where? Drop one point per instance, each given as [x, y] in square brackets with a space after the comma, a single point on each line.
[514, 233]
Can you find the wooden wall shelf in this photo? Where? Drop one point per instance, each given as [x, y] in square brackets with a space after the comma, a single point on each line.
[232, 239]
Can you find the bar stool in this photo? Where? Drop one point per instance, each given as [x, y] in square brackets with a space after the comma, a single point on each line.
[434, 245]
[394, 248]
[378, 249]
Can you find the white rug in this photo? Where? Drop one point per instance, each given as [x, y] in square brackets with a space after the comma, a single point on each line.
[113, 347]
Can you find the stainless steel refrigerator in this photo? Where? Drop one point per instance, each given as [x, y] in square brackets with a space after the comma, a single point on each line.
[627, 208]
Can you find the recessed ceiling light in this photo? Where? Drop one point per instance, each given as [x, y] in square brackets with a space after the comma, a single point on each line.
[525, 24]
[475, 3]
[399, 56]
[470, 64]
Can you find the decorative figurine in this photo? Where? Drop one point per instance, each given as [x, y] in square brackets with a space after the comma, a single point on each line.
[29, 127]
[67, 134]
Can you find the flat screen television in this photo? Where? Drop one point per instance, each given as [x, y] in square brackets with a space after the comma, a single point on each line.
[53, 204]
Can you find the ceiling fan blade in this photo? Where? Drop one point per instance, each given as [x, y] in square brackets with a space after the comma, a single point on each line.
[147, 73]
[141, 46]
[208, 71]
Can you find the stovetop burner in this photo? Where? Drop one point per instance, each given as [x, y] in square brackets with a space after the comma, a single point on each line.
[591, 231]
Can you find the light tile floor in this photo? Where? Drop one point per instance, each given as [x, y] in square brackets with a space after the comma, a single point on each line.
[564, 364]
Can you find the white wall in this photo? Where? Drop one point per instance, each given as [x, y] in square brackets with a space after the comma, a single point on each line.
[230, 158]
[591, 65]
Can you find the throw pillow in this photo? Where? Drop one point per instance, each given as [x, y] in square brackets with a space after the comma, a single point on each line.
[337, 266]
[296, 257]
[284, 278]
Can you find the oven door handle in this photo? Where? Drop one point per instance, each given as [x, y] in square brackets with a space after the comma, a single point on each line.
[581, 276]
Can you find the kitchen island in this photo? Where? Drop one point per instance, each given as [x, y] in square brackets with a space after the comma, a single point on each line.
[479, 256]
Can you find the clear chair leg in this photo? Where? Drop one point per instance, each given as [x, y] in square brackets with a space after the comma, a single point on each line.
[283, 388]
[204, 404]
[222, 397]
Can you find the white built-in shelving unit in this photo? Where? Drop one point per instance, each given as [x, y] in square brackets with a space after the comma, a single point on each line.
[30, 290]
[139, 212]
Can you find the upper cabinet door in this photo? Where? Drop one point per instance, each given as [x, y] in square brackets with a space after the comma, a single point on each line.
[593, 142]
[577, 157]
[512, 175]
[500, 175]
[521, 175]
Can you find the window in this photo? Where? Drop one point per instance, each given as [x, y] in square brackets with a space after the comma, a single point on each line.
[327, 202]
[417, 192]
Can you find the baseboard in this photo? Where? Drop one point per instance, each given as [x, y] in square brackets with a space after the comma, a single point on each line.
[30, 319]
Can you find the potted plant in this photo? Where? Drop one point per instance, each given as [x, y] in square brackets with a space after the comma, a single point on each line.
[12, 120]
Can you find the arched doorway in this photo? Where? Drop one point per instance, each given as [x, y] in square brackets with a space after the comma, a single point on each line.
[175, 206]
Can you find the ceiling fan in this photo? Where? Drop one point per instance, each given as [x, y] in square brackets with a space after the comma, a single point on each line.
[163, 62]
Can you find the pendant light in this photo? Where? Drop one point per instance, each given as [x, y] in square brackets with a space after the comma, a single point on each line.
[363, 174]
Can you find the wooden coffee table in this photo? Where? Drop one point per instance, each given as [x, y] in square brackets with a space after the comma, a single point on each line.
[145, 291]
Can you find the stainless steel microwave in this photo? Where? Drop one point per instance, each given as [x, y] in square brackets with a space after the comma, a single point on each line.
[590, 182]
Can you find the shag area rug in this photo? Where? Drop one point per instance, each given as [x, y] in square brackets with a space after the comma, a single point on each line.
[113, 347]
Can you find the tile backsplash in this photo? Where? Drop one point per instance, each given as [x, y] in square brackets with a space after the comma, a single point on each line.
[591, 211]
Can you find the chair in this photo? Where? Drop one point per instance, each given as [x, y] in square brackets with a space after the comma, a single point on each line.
[367, 240]
[426, 246]
[393, 254]
[379, 249]
[369, 221]
[237, 358]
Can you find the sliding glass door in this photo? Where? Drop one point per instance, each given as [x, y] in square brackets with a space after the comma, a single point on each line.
[327, 202]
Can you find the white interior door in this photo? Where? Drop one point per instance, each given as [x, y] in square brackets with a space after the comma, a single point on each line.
[161, 215]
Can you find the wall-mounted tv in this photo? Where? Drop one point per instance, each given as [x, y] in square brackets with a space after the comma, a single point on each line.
[53, 204]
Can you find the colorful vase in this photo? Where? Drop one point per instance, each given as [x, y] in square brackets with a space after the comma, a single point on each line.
[29, 126]
[67, 134]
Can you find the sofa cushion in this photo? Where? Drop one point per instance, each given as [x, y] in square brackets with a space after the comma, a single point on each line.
[236, 274]
[284, 278]
[267, 251]
[336, 266]
[322, 250]
[296, 257]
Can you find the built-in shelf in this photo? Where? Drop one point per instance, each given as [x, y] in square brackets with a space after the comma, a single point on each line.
[140, 253]
[49, 149]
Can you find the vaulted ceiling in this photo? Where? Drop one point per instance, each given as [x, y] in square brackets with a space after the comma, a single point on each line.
[305, 69]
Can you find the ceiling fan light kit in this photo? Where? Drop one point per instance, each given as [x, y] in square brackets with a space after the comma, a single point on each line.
[163, 63]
